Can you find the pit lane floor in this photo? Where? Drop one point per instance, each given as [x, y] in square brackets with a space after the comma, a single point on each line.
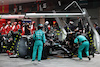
[5, 61]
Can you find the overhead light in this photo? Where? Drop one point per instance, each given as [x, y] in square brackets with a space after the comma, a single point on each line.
[30, 13]
[12, 16]
[59, 2]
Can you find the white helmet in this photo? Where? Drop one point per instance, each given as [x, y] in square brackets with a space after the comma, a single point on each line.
[47, 22]
[71, 22]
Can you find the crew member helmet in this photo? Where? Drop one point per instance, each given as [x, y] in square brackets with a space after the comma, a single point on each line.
[19, 22]
[33, 22]
[19, 30]
[9, 22]
[47, 22]
[3, 24]
[40, 26]
[71, 22]
[15, 23]
[78, 33]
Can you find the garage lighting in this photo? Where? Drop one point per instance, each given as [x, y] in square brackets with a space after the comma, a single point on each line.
[12, 16]
[59, 2]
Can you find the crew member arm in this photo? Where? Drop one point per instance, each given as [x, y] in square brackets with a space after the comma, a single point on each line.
[76, 40]
[34, 36]
[44, 38]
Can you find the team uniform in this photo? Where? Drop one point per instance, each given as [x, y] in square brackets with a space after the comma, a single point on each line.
[84, 44]
[39, 37]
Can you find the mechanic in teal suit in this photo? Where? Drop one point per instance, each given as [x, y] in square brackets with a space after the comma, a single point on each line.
[39, 37]
[83, 44]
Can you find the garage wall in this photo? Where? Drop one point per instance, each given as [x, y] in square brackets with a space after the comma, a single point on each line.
[95, 15]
